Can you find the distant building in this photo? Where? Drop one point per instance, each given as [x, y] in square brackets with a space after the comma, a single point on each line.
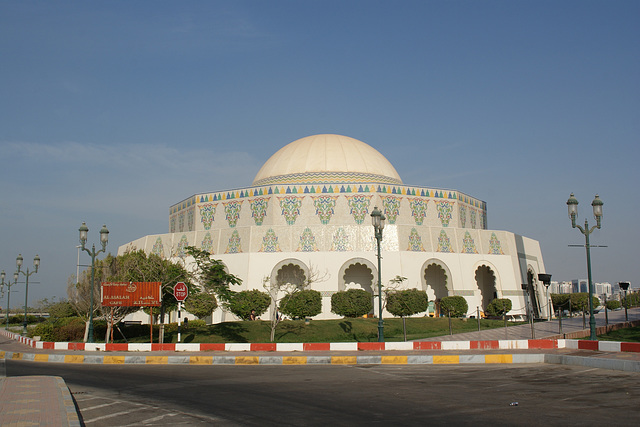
[579, 285]
[602, 289]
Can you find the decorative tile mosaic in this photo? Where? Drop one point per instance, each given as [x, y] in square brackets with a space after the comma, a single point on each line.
[158, 248]
[307, 241]
[324, 207]
[232, 212]
[444, 244]
[320, 177]
[270, 242]
[234, 246]
[181, 222]
[472, 212]
[207, 213]
[418, 209]
[391, 205]
[191, 219]
[207, 243]
[463, 215]
[468, 245]
[340, 241]
[182, 247]
[415, 241]
[495, 248]
[290, 206]
[444, 212]
[359, 206]
[259, 209]
[172, 224]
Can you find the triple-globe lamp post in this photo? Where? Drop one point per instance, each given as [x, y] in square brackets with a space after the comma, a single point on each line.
[9, 284]
[378, 219]
[572, 205]
[104, 239]
[36, 264]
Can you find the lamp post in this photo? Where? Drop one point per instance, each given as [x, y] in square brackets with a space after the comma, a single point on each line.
[36, 264]
[624, 286]
[546, 279]
[378, 219]
[104, 238]
[15, 279]
[572, 205]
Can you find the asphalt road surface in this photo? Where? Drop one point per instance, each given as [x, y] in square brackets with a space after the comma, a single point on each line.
[120, 395]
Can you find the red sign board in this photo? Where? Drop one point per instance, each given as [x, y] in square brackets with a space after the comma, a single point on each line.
[131, 294]
[180, 291]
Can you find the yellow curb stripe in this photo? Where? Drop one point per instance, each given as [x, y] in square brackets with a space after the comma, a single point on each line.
[446, 359]
[394, 360]
[17, 356]
[72, 358]
[113, 360]
[498, 358]
[41, 358]
[247, 360]
[156, 360]
[344, 360]
[2, 353]
[294, 360]
[200, 360]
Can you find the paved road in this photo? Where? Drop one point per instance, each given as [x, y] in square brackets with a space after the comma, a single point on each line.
[346, 395]
[542, 329]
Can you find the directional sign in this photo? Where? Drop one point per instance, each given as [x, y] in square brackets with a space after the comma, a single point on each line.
[180, 291]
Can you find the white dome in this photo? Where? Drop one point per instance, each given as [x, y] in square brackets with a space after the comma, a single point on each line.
[327, 158]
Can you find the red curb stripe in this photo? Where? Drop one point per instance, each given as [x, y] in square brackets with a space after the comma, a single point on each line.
[313, 346]
[630, 346]
[543, 344]
[163, 347]
[588, 345]
[370, 346]
[48, 345]
[484, 345]
[212, 347]
[116, 347]
[427, 345]
[76, 346]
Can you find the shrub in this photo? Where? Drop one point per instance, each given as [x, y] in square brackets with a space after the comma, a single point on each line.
[631, 300]
[613, 304]
[456, 305]
[243, 302]
[61, 309]
[201, 304]
[498, 307]
[305, 303]
[351, 303]
[43, 330]
[407, 302]
[580, 301]
[560, 301]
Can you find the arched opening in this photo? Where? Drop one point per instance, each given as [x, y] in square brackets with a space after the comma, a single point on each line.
[435, 278]
[358, 274]
[291, 273]
[486, 281]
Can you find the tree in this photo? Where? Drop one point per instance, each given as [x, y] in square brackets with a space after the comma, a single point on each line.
[244, 301]
[455, 306]
[60, 309]
[498, 307]
[201, 304]
[613, 304]
[351, 303]
[406, 303]
[212, 276]
[305, 303]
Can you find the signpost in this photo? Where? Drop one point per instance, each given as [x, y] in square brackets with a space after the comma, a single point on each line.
[180, 291]
[131, 294]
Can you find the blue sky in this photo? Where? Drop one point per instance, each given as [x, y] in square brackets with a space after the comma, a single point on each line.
[110, 112]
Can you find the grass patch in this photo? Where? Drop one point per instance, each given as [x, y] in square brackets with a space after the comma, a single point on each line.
[624, 335]
[337, 330]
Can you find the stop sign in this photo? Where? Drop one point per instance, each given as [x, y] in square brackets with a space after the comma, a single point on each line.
[180, 291]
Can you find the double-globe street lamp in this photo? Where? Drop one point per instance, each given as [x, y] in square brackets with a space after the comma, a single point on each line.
[9, 284]
[378, 219]
[104, 238]
[36, 264]
[572, 205]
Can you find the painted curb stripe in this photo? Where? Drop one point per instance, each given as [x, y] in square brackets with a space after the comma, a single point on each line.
[446, 359]
[498, 358]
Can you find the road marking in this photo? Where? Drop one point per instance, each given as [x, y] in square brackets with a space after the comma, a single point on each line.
[117, 414]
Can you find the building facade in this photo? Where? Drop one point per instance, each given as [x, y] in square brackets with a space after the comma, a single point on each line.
[307, 215]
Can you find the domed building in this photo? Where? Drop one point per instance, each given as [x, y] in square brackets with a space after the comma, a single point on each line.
[307, 215]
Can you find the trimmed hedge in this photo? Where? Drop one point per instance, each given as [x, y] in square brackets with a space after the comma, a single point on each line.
[301, 304]
[498, 307]
[351, 303]
[407, 302]
[243, 302]
[456, 305]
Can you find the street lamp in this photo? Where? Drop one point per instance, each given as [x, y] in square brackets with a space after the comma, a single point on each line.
[546, 279]
[9, 284]
[104, 238]
[624, 286]
[378, 219]
[572, 205]
[36, 264]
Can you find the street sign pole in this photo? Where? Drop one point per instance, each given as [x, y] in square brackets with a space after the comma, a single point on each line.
[179, 319]
[180, 291]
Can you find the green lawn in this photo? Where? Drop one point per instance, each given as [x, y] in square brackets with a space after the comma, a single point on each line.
[624, 335]
[339, 330]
